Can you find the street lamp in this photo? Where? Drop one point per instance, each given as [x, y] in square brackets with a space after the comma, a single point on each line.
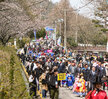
[60, 21]
[55, 30]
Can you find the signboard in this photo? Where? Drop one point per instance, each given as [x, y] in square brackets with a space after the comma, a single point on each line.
[61, 76]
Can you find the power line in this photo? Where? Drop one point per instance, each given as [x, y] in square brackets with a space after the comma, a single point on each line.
[84, 5]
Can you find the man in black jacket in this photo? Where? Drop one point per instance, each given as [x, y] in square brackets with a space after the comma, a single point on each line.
[39, 71]
[48, 79]
[102, 74]
[92, 77]
[54, 85]
[86, 72]
[78, 70]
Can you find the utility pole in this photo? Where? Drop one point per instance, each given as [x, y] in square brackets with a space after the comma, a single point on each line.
[65, 37]
[106, 26]
[60, 29]
[76, 34]
[55, 32]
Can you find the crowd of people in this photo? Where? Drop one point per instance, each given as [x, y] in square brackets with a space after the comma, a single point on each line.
[43, 61]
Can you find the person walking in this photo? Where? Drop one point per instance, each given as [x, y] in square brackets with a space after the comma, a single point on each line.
[92, 78]
[71, 67]
[54, 86]
[78, 70]
[33, 84]
[43, 84]
[102, 74]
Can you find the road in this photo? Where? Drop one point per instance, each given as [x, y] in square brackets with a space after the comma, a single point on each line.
[67, 94]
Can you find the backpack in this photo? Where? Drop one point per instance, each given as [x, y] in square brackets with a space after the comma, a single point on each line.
[48, 79]
[32, 65]
[44, 81]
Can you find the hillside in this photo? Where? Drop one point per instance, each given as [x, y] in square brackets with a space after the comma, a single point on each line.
[11, 87]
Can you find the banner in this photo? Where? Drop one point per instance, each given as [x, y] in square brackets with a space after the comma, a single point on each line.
[59, 41]
[49, 51]
[46, 36]
[35, 34]
[61, 76]
[107, 47]
[49, 29]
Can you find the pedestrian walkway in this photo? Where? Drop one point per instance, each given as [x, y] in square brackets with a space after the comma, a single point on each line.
[67, 94]
[43, 61]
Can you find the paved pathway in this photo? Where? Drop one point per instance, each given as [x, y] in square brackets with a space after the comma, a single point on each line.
[67, 94]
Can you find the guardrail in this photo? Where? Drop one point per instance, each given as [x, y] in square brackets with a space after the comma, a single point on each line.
[27, 76]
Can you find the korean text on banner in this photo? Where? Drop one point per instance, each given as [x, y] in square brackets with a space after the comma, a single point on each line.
[61, 76]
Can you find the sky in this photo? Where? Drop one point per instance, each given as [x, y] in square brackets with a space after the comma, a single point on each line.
[85, 11]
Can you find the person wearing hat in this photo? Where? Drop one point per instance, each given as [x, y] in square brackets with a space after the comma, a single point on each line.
[97, 93]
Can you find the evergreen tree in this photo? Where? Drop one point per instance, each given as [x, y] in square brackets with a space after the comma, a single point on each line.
[101, 14]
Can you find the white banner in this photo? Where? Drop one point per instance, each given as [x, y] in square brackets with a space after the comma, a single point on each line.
[59, 41]
[107, 47]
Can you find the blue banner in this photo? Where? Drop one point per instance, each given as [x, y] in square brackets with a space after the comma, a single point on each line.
[49, 29]
[35, 34]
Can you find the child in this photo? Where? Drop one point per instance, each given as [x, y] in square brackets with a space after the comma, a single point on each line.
[76, 82]
[70, 80]
[81, 86]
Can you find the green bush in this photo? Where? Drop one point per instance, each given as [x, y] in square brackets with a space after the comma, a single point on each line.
[12, 84]
[40, 33]
[20, 43]
[71, 42]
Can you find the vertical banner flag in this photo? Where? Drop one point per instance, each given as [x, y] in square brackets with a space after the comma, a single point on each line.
[59, 41]
[107, 47]
[35, 34]
[46, 36]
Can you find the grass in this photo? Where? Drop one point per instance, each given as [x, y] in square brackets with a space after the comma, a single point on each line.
[19, 89]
